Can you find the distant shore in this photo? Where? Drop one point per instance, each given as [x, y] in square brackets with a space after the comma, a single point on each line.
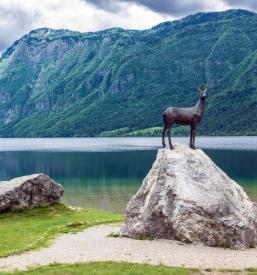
[103, 144]
[179, 131]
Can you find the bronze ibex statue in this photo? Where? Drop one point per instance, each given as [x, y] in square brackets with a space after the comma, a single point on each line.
[184, 116]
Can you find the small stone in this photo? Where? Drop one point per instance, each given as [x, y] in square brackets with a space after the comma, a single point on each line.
[28, 192]
[186, 197]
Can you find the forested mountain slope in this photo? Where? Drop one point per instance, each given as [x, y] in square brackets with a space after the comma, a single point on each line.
[65, 83]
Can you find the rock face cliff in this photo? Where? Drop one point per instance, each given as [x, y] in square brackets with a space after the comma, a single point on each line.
[28, 191]
[186, 197]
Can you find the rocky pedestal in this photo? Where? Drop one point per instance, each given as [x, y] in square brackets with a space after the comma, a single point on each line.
[28, 191]
[186, 197]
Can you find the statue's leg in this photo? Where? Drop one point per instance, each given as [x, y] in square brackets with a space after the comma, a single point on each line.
[163, 136]
[169, 137]
[193, 137]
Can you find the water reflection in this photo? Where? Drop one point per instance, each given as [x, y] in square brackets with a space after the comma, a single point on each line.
[104, 180]
[107, 180]
[76, 164]
[238, 164]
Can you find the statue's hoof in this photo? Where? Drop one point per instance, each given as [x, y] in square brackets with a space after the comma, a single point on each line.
[171, 148]
[193, 147]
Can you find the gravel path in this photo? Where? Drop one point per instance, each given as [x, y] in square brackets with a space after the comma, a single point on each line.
[93, 245]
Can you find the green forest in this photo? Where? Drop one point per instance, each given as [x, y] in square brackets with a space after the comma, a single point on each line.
[60, 83]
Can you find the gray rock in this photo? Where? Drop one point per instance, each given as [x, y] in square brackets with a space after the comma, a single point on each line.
[28, 191]
[186, 197]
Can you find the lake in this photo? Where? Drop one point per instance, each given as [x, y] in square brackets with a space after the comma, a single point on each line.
[105, 172]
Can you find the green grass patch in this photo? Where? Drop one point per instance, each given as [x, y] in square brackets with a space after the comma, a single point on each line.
[115, 133]
[229, 270]
[119, 268]
[178, 131]
[34, 228]
[100, 268]
[114, 235]
[251, 269]
[146, 132]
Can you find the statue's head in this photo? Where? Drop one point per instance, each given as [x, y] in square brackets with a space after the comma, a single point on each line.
[203, 91]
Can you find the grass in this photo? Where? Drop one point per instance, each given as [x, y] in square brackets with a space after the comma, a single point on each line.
[34, 228]
[146, 132]
[115, 132]
[229, 270]
[152, 131]
[113, 235]
[252, 269]
[100, 268]
[119, 268]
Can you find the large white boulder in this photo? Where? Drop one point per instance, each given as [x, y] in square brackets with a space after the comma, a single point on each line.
[28, 191]
[186, 197]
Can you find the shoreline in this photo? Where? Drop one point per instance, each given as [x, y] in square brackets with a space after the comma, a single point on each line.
[117, 144]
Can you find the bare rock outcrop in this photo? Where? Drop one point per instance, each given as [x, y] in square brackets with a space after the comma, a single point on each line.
[28, 191]
[186, 197]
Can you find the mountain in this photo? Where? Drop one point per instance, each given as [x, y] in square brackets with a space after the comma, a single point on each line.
[66, 83]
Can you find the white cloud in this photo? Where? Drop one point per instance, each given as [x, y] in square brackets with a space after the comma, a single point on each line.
[18, 17]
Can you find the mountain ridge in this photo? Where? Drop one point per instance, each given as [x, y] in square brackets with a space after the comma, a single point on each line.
[165, 23]
[67, 83]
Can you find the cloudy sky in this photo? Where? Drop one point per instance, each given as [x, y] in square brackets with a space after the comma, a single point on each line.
[18, 17]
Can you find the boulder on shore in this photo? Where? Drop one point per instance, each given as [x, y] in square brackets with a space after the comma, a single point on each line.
[28, 191]
[186, 197]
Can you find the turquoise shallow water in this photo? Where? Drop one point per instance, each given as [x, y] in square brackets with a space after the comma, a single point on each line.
[108, 173]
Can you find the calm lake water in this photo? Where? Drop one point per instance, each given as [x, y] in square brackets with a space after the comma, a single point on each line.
[105, 172]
